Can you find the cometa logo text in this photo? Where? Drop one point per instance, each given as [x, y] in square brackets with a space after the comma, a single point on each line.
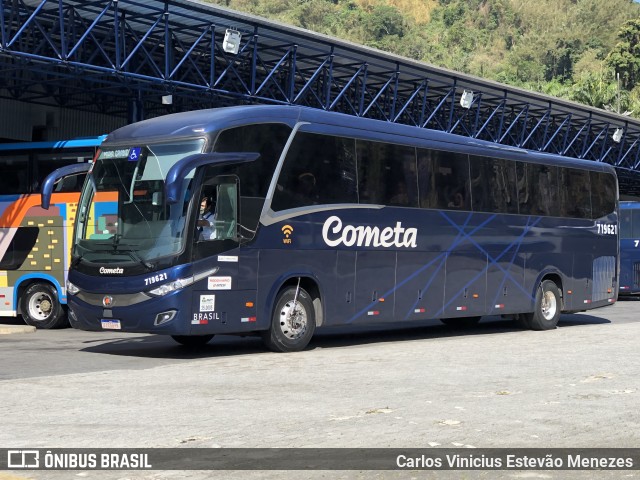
[112, 271]
[334, 234]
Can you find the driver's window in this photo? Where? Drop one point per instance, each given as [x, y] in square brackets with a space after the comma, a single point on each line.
[218, 210]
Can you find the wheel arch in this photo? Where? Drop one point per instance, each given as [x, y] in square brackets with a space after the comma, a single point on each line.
[556, 278]
[29, 279]
[307, 281]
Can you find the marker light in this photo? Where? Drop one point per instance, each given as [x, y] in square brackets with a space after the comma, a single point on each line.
[71, 288]
[171, 286]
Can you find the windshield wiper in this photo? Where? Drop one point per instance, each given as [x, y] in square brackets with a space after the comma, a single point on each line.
[136, 258]
[77, 260]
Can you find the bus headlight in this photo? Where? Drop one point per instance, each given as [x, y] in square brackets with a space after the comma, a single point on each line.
[171, 286]
[71, 288]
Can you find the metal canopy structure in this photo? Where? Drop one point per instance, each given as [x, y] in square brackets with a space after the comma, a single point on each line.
[121, 57]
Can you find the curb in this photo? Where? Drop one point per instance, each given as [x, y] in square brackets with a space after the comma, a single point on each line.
[9, 329]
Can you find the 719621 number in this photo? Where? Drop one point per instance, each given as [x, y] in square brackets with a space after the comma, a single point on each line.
[607, 229]
[156, 278]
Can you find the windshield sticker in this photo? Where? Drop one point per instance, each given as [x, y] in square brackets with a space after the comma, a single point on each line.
[207, 303]
[219, 283]
[227, 258]
[108, 154]
[334, 234]
[134, 154]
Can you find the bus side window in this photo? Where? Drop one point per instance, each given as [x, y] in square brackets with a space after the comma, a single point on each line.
[387, 174]
[328, 160]
[444, 180]
[626, 223]
[493, 185]
[14, 175]
[603, 193]
[575, 193]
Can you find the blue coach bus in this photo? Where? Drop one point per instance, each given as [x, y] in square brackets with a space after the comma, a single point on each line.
[324, 219]
[629, 248]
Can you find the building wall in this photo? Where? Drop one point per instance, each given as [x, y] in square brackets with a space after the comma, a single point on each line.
[20, 120]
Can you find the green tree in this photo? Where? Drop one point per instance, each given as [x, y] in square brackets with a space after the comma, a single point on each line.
[625, 56]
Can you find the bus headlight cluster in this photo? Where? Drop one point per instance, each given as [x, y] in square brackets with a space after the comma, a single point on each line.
[171, 286]
[71, 288]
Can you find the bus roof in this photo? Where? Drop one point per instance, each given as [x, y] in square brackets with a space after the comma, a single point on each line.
[204, 122]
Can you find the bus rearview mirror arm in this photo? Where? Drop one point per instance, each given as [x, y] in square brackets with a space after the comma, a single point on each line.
[178, 172]
[53, 177]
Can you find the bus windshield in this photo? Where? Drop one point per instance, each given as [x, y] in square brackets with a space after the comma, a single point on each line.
[122, 216]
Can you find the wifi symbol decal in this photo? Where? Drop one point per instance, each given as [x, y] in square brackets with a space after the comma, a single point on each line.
[287, 230]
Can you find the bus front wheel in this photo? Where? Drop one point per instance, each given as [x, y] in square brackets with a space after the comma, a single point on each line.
[547, 308]
[41, 308]
[293, 322]
[192, 340]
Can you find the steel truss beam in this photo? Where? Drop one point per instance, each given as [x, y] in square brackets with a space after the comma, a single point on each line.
[102, 55]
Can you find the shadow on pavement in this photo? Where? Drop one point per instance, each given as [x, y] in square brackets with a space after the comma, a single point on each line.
[159, 346]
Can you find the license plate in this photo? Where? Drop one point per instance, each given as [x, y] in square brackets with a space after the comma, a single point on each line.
[111, 324]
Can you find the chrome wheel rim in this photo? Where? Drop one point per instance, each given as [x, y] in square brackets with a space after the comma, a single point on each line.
[549, 305]
[293, 321]
[40, 306]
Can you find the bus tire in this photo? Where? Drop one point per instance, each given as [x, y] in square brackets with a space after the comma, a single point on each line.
[291, 332]
[547, 308]
[40, 307]
[462, 322]
[192, 340]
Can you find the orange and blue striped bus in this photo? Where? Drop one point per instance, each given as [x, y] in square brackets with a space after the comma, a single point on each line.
[35, 243]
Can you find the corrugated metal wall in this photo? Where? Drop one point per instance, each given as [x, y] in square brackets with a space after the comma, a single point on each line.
[18, 119]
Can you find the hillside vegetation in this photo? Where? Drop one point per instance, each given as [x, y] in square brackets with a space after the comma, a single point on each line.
[583, 50]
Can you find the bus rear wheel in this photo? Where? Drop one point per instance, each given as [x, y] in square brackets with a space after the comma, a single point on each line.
[41, 308]
[192, 340]
[547, 308]
[293, 322]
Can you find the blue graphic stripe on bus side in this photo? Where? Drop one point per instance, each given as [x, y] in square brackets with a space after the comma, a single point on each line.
[443, 261]
[494, 261]
[460, 238]
[38, 276]
[484, 270]
[456, 241]
[513, 257]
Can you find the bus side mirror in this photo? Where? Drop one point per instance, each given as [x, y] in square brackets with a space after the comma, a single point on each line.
[53, 177]
[178, 172]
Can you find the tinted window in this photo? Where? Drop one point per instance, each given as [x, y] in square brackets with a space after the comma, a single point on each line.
[15, 174]
[386, 174]
[626, 223]
[319, 169]
[48, 162]
[604, 193]
[493, 185]
[575, 193]
[268, 140]
[635, 224]
[538, 189]
[443, 179]
[255, 177]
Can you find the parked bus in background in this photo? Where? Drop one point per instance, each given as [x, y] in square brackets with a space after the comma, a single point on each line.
[629, 248]
[35, 243]
[325, 219]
